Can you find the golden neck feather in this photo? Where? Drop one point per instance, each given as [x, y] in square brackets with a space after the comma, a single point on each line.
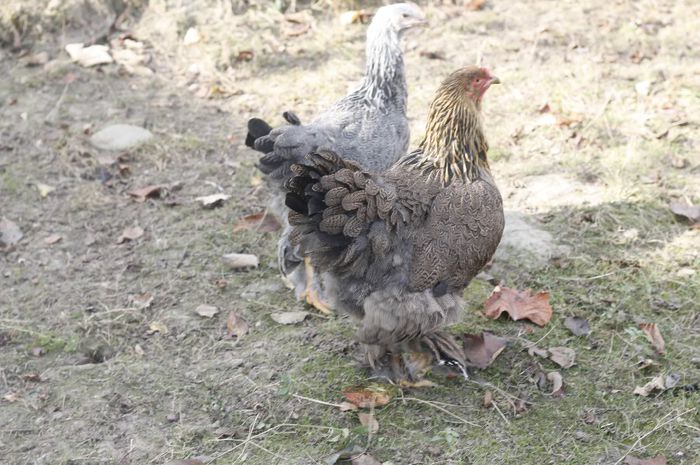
[454, 145]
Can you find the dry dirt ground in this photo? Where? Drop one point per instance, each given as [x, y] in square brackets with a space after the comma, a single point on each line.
[594, 131]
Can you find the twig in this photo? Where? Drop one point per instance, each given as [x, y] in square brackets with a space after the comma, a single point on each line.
[495, 406]
[435, 406]
[247, 441]
[316, 401]
[263, 433]
[283, 460]
[651, 431]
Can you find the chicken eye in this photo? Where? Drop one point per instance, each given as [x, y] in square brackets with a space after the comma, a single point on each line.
[404, 15]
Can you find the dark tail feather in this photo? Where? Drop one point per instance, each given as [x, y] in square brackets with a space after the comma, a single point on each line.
[257, 128]
[291, 118]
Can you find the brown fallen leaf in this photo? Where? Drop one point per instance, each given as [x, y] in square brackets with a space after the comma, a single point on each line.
[236, 325]
[10, 234]
[157, 327]
[577, 325]
[487, 401]
[260, 222]
[656, 384]
[297, 23]
[651, 331]
[533, 350]
[519, 305]
[214, 200]
[207, 311]
[364, 459]
[236, 261]
[482, 349]
[38, 59]
[658, 460]
[244, 55]
[355, 16]
[475, 5]
[346, 406]
[646, 363]
[368, 420]
[289, 318]
[141, 301]
[143, 193]
[11, 396]
[130, 234]
[562, 356]
[52, 239]
[432, 55]
[557, 381]
[686, 210]
[366, 396]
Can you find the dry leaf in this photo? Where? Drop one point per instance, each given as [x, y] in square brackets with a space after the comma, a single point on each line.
[192, 36]
[658, 460]
[44, 189]
[89, 56]
[157, 327]
[289, 318]
[355, 16]
[139, 350]
[487, 401]
[38, 59]
[557, 381]
[577, 325]
[237, 261]
[214, 200]
[11, 397]
[10, 234]
[646, 363]
[260, 222]
[482, 349]
[651, 331]
[432, 55]
[236, 325]
[368, 420]
[475, 5]
[297, 23]
[130, 234]
[562, 356]
[533, 350]
[421, 383]
[52, 239]
[656, 384]
[346, 406]
[366, 396]
[143, 193]
[207, 311]
[519, 305]
[686, 210]
[671, 380]
[141, 301]
[244, 55]
[364, 459]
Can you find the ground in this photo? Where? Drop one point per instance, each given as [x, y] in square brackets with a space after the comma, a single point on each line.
[592, 133]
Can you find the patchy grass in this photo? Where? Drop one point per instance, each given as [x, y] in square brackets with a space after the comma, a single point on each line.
[111, 391]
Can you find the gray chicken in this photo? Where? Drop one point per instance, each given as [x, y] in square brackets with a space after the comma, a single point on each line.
[368, 126]
[400, 247]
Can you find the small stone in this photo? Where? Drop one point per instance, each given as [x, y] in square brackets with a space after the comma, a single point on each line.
[173, 417]
[120, 137]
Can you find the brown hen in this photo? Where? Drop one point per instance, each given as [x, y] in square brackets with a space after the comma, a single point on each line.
[398, 248]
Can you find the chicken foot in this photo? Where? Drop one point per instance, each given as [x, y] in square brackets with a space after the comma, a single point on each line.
[311, 293]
